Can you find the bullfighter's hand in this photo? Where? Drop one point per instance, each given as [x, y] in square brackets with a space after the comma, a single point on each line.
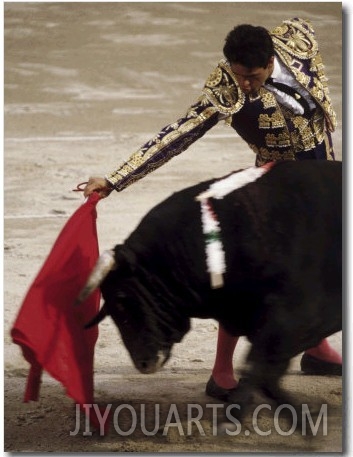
[99, 185]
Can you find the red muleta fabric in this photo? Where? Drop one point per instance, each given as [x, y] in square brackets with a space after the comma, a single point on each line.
[49, 328]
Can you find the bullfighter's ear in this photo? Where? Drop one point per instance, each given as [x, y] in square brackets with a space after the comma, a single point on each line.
[125, 258]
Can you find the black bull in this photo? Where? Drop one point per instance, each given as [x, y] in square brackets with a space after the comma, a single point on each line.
[282, 237]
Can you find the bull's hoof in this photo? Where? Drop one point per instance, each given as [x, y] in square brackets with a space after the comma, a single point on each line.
[313, 366]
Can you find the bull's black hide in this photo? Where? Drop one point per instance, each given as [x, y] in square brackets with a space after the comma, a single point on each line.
[282, 237]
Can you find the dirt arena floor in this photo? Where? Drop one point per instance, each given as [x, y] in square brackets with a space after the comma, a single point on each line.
[86, 84]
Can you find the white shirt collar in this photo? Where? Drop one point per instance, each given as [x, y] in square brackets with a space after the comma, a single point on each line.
[282, 74]
[276, 69]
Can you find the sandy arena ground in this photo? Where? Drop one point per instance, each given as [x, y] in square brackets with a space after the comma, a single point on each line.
[85, 85]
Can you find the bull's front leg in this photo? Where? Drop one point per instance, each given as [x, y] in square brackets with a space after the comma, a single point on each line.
[264, 376]
[260, 378]
[268, 361]
[274, 342]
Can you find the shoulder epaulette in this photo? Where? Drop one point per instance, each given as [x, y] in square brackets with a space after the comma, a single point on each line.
[223, 91]
[295, 37]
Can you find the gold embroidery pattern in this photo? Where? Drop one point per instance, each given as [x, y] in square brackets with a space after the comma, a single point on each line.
[215, 78]
[308, 134]
[327, 107]
[297, 64]
[265, 156]
[303, 79]
[282, 140]
[318, 93]
[317, 66]
[267, 98]
[297, 38]
[318, 126]
[275, 120]
[222, 90]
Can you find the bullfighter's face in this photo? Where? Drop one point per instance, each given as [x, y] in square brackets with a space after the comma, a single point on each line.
[250, 80]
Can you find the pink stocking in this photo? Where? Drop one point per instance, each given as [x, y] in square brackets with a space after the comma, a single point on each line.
[324, 351]
[222, 371]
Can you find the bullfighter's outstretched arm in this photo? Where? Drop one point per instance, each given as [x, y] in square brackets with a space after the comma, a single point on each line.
[169, 142]
[221, 97]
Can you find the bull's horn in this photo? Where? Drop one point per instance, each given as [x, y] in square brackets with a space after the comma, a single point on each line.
[104, 265]
[97, 318]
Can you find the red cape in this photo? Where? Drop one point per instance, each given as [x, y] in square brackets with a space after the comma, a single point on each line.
[49, 328]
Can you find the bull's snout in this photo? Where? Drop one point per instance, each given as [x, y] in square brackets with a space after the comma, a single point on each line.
[149, 366]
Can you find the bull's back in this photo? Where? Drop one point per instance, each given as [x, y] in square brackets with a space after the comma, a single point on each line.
[285, 224]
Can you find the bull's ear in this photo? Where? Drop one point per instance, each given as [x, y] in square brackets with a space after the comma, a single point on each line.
[125, 259]
[102, 313]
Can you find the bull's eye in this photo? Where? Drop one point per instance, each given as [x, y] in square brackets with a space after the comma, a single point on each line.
[120, 307]
[121, 296]
[121, 310]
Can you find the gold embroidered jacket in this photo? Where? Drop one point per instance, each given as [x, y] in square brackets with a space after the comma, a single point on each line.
[271, 131]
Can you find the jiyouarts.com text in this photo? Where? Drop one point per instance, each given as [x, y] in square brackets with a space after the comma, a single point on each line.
[190, 419]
